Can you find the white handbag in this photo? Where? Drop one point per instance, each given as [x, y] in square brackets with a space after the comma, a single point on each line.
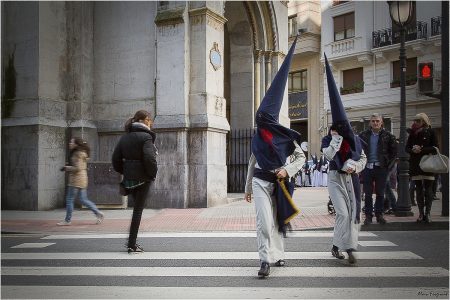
[434, 163]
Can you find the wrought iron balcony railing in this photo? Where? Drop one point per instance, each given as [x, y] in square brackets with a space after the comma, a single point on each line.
[389, 36]
[436, 26]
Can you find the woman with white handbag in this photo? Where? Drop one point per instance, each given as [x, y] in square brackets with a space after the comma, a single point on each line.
[421, 141]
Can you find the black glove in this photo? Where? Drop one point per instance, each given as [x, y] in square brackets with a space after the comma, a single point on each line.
[62, 169]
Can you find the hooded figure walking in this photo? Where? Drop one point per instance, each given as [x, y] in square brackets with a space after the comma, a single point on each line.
[346, 158]
[276, 156]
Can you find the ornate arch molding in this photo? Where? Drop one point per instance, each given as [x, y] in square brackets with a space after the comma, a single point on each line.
[261, 16]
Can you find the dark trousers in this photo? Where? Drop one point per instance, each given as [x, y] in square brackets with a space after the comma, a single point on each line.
[378, 176]
[412, 189]
[139, 195]
[390, 201]
[424, 194]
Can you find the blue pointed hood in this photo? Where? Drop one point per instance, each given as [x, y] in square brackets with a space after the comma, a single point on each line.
[337, 109]
[271, 104]
[340, 122]
[273, 142]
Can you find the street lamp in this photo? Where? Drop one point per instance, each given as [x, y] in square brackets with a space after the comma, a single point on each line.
[401, 13]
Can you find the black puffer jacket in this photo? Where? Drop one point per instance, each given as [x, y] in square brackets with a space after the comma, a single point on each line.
[387, 147]
[135, 154]
[425, 138]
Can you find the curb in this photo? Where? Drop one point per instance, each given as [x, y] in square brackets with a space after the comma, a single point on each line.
[406, 226]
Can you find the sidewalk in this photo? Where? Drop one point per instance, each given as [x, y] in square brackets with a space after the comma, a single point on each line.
[238, 215]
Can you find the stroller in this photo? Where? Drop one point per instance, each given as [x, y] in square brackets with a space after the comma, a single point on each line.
[330, 207]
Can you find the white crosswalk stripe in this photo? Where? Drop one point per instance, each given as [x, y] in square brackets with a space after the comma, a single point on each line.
[227, 271]
[32, 245]
[193, 235]
[207, 271]
[201, 255]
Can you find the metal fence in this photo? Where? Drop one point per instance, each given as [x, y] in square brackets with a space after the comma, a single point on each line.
[238, 154]
[436, 26]
[388, 36]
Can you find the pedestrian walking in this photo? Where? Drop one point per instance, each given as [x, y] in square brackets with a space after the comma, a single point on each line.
[135, 158]
[381, 149]
[78, 180]
[346, 157]
[421, 141]
[276, 156]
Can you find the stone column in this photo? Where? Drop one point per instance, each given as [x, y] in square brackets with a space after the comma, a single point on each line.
[207, 106]
[33, 128]
[171, 188]
[79, 73]
[268, 77]
[257, 81]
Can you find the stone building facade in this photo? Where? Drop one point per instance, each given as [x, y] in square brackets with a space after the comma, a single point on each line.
[82, 68]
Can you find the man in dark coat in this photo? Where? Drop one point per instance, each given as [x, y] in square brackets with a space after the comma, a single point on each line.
[381, 151]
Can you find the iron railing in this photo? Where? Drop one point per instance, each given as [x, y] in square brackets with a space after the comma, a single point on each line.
[387, 36]
[436, 26]
[238, 155]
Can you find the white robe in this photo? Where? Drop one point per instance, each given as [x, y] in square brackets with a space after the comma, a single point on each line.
[270, 240]
[340, 188]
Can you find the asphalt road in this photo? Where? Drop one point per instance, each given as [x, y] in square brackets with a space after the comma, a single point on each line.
[391, 264]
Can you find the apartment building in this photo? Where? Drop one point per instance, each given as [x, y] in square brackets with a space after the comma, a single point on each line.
[305, 79]
[362, 46]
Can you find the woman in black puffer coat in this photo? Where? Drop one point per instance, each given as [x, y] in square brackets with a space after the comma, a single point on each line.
[135, 158]
[421, 141]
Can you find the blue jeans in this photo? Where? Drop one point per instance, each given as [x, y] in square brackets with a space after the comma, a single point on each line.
[379, 176]
[70, 198]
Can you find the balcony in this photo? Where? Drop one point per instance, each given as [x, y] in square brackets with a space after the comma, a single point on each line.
[386, 37]
[409, 80]
[436, 25]
[355, 88]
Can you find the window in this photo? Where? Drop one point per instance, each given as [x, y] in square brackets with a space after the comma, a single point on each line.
[298, 81]
[353, 81]
[410, 75]
[292, 25]
[344, 26]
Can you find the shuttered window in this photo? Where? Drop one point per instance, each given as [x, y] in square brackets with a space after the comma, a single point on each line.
[410, 74]
[344, 26]
[353, 81]
[352, 77]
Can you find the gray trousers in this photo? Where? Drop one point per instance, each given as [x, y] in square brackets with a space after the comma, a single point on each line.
[270, 241]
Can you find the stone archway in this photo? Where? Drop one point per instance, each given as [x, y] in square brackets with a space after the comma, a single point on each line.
[251, 55]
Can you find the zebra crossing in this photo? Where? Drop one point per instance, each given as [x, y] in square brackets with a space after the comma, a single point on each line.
[211, 265]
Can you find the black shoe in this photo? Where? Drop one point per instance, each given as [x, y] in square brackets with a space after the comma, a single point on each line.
[264, 271]
[427, 218]
[136, 249]
[336, 253]
[280, 263]
[351, 257]
[381, 220]
[420, 218]
[368, 221]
